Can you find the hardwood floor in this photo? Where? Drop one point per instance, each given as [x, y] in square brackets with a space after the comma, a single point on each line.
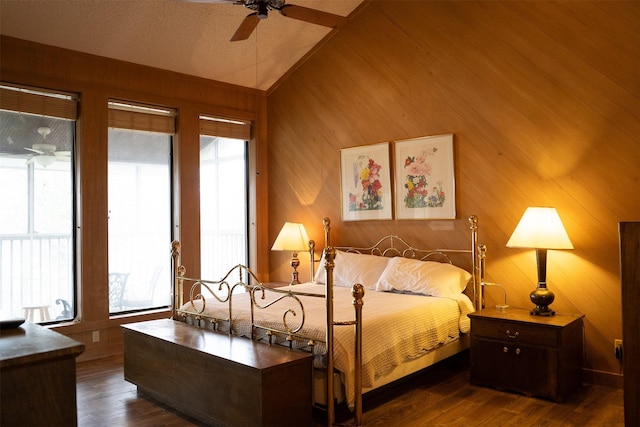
[439, 396]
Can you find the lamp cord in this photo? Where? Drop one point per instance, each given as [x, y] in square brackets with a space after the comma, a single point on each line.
[504, 291]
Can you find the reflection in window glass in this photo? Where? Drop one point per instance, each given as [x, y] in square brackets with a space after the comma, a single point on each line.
[139, 220]
[223, 205]
[36, 217]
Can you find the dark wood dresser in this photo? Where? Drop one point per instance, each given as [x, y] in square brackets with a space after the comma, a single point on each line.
[630, 282]
[535, 355]
[38, 377]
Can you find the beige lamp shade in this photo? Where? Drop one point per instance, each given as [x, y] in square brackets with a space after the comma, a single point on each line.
[292, 237]
[540, 227]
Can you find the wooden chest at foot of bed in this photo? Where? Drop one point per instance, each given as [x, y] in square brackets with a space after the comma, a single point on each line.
[216, 378]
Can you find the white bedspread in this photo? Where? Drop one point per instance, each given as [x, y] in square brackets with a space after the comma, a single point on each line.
[396, 327]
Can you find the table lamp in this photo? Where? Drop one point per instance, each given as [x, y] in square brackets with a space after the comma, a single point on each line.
[292, 237]
[540, 228]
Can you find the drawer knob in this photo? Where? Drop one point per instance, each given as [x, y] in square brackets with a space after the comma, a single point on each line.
[505, 349]
[517, 351]
[512, 336]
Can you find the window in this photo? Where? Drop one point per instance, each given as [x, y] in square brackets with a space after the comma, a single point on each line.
[37, 244]
[139, 188]
[223, 195]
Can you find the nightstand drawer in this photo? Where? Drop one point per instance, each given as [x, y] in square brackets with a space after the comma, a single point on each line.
[520, 333]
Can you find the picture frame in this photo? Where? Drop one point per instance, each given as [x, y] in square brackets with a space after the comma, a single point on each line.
[425, 178]
[366, 183]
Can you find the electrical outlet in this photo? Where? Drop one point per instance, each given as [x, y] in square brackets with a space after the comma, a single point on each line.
[617, 348]
[95, 336]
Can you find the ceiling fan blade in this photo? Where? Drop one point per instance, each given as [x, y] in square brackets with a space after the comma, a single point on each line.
[312, 15]
[35, 151]
[247, 26]
[62, 153]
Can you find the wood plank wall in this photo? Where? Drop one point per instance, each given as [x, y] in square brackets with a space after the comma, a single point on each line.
[544, 101]
[96, 80]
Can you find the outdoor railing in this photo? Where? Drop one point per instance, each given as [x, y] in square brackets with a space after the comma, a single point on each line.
[37, 270]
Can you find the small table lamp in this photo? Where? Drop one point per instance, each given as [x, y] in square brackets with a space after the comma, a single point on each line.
[292, 237]
[542, 229]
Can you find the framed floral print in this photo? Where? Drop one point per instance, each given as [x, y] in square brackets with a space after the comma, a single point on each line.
[366, 183]
[424, 178]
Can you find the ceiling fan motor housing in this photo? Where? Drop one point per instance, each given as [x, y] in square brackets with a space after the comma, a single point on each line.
[263, 6]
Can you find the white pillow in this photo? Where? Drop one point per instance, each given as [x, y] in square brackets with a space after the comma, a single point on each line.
[319, 277]
[351, 268]
[423, 277]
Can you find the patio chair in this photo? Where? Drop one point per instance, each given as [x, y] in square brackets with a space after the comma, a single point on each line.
[117, 284]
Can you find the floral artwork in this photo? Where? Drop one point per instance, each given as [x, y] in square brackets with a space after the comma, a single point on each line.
[366, 188]
[366, 177]
[418, 174]
[425, 178]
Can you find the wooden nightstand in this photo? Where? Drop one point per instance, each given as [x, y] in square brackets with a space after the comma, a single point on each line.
[535, 355]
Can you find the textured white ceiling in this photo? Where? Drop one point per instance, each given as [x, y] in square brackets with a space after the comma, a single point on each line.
[182, 36]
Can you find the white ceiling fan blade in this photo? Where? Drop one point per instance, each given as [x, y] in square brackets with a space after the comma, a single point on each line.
[62, 153]
[35, 151]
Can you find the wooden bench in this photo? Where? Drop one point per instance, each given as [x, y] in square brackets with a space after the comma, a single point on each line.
[216, 378]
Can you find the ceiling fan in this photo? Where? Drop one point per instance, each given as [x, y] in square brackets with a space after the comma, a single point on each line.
[262, 8]
[46, 153]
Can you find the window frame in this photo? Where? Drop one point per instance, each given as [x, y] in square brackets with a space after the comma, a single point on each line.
[133, 116]
[58, 105]
[247, 189]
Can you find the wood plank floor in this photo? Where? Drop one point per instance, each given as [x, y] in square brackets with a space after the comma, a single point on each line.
[439, 396]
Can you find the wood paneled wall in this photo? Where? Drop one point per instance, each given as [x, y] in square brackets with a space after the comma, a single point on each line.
[544, 101]
[96, 80]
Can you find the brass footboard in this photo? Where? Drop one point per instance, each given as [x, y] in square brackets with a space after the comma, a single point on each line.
[285, 332]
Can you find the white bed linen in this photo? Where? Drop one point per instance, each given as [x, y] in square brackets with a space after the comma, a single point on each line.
[396, 327]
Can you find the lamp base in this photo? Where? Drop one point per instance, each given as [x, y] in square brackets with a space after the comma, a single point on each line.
[542, 298]
[294, 278]
[542, 311]
[295, 262]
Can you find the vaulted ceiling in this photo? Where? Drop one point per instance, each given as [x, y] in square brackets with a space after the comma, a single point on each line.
[190, 37]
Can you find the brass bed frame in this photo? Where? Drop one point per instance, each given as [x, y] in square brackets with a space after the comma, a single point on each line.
[289, 333]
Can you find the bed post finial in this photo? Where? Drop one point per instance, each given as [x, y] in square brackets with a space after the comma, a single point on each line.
[312, 259]
[175, 249]
[482, 255]
[326, 223]
[473, 222]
